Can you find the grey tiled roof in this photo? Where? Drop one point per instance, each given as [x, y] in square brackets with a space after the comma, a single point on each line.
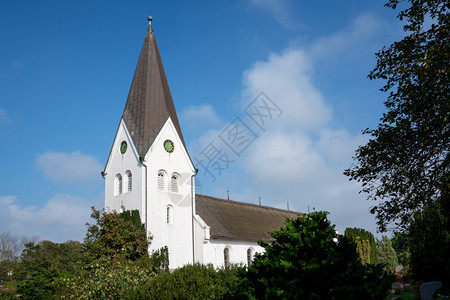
[149, 102]
[231, 220]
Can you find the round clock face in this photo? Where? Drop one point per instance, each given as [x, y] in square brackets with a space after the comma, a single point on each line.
[123, 147]
[168, 146]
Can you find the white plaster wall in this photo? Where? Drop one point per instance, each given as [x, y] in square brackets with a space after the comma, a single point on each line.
[201, 236]
[213, 252]
[177, 236]
[118, 164]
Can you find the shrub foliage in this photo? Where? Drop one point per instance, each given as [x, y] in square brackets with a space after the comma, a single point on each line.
[188, 282]
[305, 262]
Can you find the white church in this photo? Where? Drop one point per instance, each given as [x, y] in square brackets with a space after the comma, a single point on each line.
[149, 169]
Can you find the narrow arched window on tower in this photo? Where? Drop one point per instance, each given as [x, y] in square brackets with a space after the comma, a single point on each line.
[174, 183]
[118, 185]
[129, 181]
[226, 256]
[161, 180]
[169, 212]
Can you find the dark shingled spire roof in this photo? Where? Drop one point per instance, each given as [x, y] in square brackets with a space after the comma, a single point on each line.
[149, 102]
[231, 220]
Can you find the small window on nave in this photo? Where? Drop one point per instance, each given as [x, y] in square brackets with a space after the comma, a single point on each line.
[129, 181]
[249, 256]
[118, 185]
[161, 181]
[226, 256]
[174, 183]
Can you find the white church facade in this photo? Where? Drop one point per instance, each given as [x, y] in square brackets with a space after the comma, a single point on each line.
[149, 169]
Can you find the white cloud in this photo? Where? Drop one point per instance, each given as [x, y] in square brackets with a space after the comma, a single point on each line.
[338, 146]
[286, 78]
[350, 41]
[280, 9]
[72, 167]
[62, 218]
[301, 156]
[199, 117]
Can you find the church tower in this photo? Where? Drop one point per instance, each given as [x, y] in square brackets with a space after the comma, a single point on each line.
[148, 167]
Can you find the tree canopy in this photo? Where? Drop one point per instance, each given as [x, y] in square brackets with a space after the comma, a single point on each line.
[308, 260]
[386, 254]
[405, 164]
[365, 244]
[116, 235]
[429, 244]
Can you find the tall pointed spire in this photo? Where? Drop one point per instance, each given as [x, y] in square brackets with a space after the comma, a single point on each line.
[149, 103]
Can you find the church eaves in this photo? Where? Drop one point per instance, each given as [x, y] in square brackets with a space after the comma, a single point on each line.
[238, 221]
[149, 103]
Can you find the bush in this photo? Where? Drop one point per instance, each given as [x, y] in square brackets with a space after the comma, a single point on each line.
[39, 286]
[189, 282]
[106, 278]
[305, 262]
[7, 293]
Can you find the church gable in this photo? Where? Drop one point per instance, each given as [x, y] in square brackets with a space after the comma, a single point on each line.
[123, 174]
[122, 135]
[160, 151]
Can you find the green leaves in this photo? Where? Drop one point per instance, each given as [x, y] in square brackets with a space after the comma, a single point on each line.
[403, 164]
[305, 262]
[116, 235]
[188, 282]
[386, 254]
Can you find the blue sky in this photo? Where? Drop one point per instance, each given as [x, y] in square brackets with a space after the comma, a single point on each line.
[66, 68]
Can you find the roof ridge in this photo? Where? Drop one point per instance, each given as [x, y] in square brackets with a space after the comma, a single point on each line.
[251, 204]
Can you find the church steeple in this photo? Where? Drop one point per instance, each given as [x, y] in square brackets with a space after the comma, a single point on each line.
[149, 103]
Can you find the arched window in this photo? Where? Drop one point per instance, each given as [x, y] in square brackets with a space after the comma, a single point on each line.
[129, 181]
[161, 181]
[249, 256]
[169, 213]
[118, 185]
[174, 183]
[226, 256]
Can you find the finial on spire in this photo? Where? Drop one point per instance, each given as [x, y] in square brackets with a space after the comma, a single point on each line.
[149, 18]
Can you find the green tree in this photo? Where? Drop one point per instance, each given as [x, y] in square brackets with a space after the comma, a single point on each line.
[363, 249]
[44, 264]
[405, 164]
[386, 254]
[365, 244]
[116, 235]
[400, 243]
[10, 248]
[47, 255]
[41, 285]
[430, 244]
[116, 249]
[306, 262]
